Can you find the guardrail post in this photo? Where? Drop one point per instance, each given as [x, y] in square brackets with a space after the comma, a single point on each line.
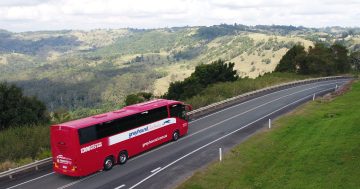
[269, 123]
[36, 167]
[10, 175]
[314, 97]
[220, 155]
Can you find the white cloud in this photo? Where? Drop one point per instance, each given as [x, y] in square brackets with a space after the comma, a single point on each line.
[22, 15]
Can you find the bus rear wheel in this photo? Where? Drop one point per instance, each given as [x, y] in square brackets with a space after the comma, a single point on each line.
[108, 163]
[123, 156]
[175, 135]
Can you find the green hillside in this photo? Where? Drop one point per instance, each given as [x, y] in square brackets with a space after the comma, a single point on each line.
[75, 69]
[315, 146]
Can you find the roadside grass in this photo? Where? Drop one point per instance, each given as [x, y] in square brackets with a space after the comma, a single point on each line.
[315, 146]
[22, 145]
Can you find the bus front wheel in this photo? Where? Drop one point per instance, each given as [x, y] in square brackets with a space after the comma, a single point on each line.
[175, 135]
[123, 156]
[108, 163]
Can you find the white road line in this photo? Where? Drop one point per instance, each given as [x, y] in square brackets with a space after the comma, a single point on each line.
[249, 110]
[80, 180]
[256, 99]
[31, 180]
[168, 144]
[121, 186]
[155, 169]
[186, 155]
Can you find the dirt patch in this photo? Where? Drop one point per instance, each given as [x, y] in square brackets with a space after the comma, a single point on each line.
[338, 92]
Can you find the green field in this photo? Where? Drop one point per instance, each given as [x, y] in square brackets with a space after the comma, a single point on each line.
[315, 146]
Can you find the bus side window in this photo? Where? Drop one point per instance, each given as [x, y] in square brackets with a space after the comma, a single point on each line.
[158, 114]
[87, 134]
[178, 110]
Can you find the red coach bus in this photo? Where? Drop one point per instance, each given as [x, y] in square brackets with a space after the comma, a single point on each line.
[87, 145]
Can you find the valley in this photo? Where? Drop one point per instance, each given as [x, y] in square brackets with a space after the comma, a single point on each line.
[74, 69]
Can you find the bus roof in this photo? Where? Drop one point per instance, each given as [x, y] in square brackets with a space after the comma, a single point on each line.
[128, 110]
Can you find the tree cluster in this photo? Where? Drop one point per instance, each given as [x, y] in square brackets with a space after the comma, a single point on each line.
[355, 60]
[204, 75]
[11, 44]
[319, 60]
[17, 109]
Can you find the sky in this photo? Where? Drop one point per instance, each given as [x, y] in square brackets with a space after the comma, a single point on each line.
[35, 15]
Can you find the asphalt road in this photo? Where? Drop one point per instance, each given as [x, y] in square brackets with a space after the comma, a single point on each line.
[171, 163]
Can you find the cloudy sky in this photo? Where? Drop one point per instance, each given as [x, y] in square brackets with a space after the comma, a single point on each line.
[32, 15]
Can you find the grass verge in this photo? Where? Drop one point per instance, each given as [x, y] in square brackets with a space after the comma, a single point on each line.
[315, 146]
[22, 145]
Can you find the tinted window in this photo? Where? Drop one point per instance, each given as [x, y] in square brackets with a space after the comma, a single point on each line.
[157, 114]
[87, 134]
[113, 127]
[106, 129]
[178, 110]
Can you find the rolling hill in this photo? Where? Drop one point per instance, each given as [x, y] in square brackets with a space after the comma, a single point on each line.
[75, 69]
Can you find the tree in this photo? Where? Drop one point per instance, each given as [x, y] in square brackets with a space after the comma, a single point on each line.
[288, 62]
[355, 60]
[217, 71]
[341, 58]
[320, 60]
[17, 109]
[303, 65]
[204, 75]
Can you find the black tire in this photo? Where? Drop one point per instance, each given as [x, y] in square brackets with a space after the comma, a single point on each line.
[123, 157]
[108, 163]
[176, 135]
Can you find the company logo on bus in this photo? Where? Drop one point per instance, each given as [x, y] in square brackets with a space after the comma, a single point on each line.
[91, 147]
[167, 122]
[154, 140]
[63, 160]
[138, 132]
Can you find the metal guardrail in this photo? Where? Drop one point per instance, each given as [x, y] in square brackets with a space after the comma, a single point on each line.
[193, 114]
[240, 98]
[34, 165]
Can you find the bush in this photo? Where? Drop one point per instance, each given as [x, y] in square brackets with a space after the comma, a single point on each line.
[14, 147]
[137, 98]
